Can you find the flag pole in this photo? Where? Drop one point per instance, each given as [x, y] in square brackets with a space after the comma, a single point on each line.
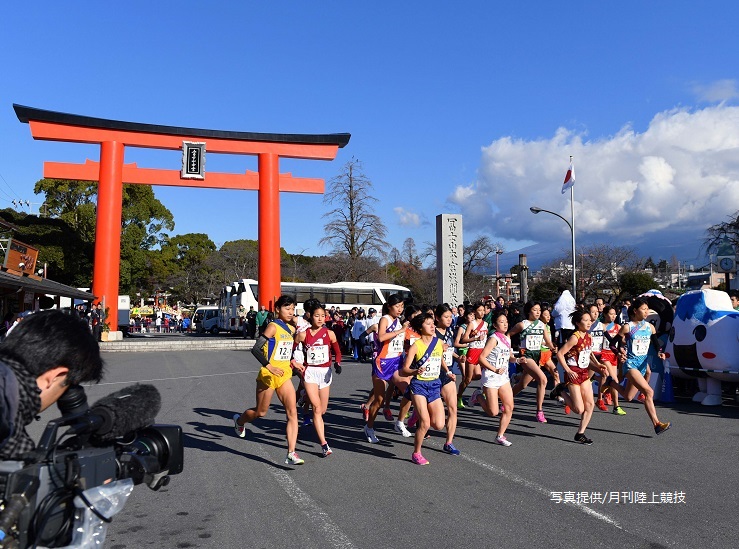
[572, 219]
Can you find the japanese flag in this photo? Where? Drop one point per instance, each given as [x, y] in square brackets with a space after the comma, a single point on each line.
[569, 178]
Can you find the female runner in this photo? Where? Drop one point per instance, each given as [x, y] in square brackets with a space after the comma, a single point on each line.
[533, 334]
[608, 357]
[390, 338]
[639, 334]
[495, 380]
[597, 333]
[461, 348]
[476, 335]
[425, 361]
[576, 358]
[401, 382]
[273, 349]
[317, 376]
[444, 332]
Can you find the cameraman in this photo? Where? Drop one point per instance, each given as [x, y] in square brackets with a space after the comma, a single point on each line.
[39, 360]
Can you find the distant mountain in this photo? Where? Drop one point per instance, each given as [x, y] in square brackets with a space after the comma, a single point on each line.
[686, 247]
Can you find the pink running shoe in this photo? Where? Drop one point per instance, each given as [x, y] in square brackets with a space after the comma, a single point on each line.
[388, 414]
[540, 417]
[502, 409]
[418, 459]
[365, 412]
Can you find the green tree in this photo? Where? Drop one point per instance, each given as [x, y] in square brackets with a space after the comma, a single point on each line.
[635, 283]
[184, 264]
[67, 256]
[144, 220]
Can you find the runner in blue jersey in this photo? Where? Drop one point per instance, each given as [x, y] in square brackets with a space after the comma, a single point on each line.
[638, 335]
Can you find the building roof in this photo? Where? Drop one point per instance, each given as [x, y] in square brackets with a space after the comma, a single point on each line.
[41, 286]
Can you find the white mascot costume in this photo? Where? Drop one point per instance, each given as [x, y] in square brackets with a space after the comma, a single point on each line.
[704, 342]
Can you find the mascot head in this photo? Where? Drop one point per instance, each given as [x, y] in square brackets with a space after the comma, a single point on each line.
[661, 314]
[706, 332]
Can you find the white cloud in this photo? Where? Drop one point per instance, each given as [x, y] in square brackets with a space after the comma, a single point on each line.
[717, 92]
[682, 172]
[406, 217]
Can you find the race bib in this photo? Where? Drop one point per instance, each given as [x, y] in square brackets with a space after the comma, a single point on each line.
[317, 354]
[501, 361]
[395, 348]
[597, 343]
[640, 346]
[533, 342]
[477, 344]
[283, 350]
[583, 359]
[431, 368]
[449, 356]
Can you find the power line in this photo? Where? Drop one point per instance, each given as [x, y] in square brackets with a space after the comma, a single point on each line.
[8, 185]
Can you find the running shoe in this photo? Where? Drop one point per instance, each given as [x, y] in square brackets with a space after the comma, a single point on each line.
[240, 429]
[326, 450]
[413, 420]
[502, 408]
[661, 427]
[503, 441]
[388, 414]
[370, 435]
[418, 459]
[460, 403]
[619, 411]
[400, 428]
[365, 412]
[641, 398]
[473, 399]
[567, 410]
[540, 417]
[608, 399]
[582, 439]
[307, 421]
[450, 449]
[601, 404]
[557, 391]
[301, 399]
[293, 459]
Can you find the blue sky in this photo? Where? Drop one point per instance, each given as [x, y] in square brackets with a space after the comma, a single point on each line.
[470, 107]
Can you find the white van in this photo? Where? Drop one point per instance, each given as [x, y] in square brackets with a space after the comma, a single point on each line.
[205, 319]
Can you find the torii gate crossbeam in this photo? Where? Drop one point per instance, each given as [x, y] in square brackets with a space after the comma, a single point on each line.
[114, 136]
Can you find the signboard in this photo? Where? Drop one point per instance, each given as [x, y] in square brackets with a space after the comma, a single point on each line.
[449, 256]
[193, 160]
[20, 257]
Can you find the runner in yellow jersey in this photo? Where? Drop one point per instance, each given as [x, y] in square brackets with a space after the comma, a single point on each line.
[273, 349]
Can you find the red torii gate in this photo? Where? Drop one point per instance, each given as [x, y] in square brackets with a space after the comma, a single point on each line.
[113, 136]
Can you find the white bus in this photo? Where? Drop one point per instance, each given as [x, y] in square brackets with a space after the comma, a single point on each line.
[237, 297]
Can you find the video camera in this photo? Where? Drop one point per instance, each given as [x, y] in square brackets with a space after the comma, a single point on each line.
[109, 447]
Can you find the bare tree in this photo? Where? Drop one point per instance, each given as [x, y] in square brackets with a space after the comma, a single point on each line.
[727, 229]
[479, 255]
[353, 229]
[599, 269]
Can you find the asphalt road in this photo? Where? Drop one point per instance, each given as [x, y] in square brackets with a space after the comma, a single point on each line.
[237, 493]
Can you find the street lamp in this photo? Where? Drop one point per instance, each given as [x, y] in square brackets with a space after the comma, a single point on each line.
[498, 251]
[535, 210]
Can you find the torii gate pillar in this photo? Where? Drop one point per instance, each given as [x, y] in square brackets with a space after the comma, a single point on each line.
[113, 136]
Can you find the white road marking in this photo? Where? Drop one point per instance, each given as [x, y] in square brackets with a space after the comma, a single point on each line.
[171, 378]
[335, 537]
[539, 488]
